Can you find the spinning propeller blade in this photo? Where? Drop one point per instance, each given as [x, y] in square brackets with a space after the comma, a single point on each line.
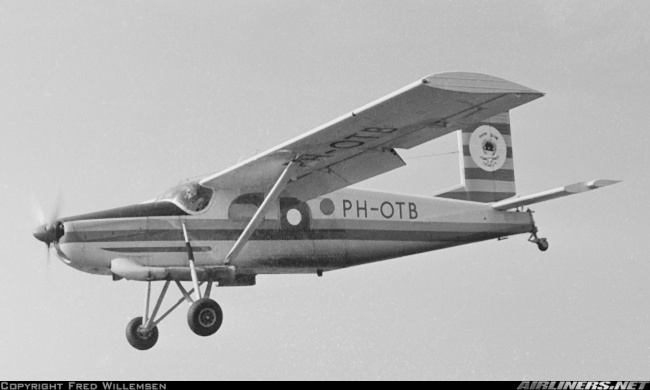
[54, 213]
[49, 230]
[37, 210]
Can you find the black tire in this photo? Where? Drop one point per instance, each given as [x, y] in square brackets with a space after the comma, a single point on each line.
[542, 245]
[137, 338]
[205, 317]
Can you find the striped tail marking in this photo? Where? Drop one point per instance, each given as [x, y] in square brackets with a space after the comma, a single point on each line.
[487, 169]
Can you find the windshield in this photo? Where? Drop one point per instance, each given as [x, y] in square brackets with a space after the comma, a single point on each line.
[190, 196]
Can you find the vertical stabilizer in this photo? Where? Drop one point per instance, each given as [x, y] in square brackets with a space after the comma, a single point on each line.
[486, 162]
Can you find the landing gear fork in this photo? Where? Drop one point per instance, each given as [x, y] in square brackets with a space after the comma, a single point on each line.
[204, 316]
[542, 243]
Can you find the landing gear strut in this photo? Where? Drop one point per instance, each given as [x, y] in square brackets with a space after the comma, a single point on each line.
[542, 243]
[204, 316]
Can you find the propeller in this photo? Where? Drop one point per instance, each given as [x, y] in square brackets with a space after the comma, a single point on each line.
[50, 229]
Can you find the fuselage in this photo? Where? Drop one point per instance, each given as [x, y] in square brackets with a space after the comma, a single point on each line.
[346, 228]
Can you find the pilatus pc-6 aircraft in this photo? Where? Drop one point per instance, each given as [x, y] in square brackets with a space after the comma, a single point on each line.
[292, 210]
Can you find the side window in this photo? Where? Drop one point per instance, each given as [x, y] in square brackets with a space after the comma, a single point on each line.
[244, 207]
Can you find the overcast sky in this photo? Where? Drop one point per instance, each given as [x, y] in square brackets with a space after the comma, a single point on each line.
[109, 103]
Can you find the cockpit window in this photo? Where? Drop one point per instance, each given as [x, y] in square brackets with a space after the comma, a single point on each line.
[192, 197]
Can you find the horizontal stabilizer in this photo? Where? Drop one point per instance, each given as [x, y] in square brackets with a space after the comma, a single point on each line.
[552, 194]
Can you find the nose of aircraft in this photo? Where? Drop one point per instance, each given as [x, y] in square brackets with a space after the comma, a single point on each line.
[48, 233]
[42, 234]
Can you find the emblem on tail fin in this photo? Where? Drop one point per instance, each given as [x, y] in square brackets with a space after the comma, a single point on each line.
[487, 148]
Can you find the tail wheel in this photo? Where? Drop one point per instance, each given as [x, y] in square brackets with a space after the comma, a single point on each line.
[138, 337]
[542, 245]
[205, 317]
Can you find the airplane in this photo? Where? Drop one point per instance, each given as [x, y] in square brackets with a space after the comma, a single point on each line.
[291, 210]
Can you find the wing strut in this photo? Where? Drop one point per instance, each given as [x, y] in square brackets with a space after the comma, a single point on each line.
[279, 185]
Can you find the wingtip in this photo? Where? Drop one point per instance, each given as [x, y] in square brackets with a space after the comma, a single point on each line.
[476, 83]
[602, 183]
[589, 185]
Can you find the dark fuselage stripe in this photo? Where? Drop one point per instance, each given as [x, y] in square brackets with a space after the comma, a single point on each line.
[159, 249]
[288, 235]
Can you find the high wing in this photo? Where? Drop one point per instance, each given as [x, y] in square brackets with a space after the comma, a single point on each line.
[362, 144]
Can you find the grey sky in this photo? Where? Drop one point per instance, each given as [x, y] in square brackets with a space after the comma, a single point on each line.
[110, 103]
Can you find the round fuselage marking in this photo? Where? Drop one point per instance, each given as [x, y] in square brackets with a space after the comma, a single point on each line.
[294, 217]
[327, 206]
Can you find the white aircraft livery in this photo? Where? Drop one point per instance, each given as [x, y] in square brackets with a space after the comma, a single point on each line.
[292, 209]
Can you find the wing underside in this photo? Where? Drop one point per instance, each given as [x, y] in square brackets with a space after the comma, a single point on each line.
[362, 144]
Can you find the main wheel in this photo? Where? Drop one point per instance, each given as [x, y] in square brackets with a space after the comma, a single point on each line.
[542, 245]
[205, 317]
[138, 338]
